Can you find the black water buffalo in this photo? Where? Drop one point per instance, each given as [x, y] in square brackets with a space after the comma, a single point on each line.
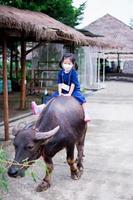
[60, 125]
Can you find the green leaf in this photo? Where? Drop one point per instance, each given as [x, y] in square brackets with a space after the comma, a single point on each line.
[34, 176]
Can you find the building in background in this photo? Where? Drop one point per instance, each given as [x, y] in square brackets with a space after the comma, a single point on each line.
[119, 34]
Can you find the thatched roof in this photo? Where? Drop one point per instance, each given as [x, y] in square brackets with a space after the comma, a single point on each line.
[114, 31]
[99, 38]
[36, 26]
[88, 33]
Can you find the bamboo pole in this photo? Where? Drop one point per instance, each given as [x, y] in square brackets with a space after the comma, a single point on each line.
[23, 76]
[5, 91]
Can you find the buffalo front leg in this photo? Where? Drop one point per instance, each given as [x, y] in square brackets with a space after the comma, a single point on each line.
[46, 183]
[71, 162]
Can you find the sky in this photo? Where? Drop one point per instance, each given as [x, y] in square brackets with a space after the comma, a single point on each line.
[121, 9]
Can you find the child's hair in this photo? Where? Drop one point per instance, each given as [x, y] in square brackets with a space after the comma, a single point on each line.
[72, 59]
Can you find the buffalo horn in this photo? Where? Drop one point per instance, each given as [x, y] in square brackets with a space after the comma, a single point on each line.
[45, 135]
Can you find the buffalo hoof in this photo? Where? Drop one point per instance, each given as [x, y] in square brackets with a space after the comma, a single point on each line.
[42, 186]
[76, 175]
[81, 169]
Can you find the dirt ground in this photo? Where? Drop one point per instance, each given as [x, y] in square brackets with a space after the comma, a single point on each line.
[14, 103]
[108, 161]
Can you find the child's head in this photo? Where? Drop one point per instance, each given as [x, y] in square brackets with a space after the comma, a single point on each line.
[68, 61]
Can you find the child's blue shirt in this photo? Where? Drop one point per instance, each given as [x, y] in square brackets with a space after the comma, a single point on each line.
[69, 78]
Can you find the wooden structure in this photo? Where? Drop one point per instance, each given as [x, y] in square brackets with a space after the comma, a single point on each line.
[24, 26]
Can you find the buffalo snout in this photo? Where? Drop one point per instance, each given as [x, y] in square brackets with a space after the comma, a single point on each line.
[14, 171]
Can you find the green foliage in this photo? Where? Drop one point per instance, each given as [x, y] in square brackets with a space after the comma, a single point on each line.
[5, 163]
[32, 172]
[62, 10]
[3, 171]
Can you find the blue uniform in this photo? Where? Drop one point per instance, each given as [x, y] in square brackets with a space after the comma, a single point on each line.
[68, 79]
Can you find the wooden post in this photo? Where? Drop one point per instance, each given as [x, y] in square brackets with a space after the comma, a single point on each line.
[118, 60]
[72, 47]
[11, 63]
[23, 76]
[5, 91]
[16, 62]
[104, 68]
[98, 71]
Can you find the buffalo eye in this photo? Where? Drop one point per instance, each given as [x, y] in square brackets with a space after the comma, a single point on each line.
[30, 147]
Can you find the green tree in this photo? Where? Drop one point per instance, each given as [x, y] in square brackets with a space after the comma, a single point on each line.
[62, 10]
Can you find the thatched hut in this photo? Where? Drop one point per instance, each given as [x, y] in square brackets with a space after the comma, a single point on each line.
[35, 26]
[114, 31]
[24, 26]
[117, 33]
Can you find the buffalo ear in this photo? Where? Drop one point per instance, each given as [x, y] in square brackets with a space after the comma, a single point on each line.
[17, 128]
[46, 135]
[15, 131]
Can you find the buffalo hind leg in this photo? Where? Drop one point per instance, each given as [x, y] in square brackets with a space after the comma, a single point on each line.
[75, 174]
[80, 150]
[46, 183]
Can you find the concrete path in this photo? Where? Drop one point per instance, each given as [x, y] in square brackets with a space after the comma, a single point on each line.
[108, 162]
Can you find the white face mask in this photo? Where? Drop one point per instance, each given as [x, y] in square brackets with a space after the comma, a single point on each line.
[67, 67]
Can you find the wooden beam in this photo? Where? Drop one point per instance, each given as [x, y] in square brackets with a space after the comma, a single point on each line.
[127, 53]
[35, 47]
[23, 76]
[5, 91]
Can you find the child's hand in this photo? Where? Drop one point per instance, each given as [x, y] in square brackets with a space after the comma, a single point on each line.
[67, 94]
